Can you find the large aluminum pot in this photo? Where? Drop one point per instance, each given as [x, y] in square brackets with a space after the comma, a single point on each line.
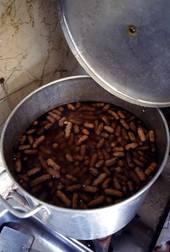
[79, 224]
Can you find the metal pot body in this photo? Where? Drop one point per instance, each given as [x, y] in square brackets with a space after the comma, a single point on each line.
[80, 224]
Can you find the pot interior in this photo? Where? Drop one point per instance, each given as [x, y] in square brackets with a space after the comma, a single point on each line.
[80, 88]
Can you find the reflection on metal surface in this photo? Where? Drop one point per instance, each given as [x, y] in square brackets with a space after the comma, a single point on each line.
[14, 241]
[6, 184]
[32, 234]
[134, 68]
[138, 235]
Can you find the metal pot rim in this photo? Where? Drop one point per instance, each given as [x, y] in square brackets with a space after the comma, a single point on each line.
[80, 211]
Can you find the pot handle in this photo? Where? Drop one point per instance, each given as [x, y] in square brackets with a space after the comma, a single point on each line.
[27, 212]
[18, 213]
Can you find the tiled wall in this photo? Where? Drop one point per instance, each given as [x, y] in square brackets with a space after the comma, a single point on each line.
[33, 50]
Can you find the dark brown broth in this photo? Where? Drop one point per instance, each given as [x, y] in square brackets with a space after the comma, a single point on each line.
[81, 172]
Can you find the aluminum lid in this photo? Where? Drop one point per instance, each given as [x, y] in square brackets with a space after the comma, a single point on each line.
[123, 45]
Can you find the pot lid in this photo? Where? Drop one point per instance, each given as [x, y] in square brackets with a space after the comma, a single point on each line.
[123, 45]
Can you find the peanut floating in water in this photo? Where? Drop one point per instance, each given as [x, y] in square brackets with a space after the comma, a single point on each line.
[85, 155]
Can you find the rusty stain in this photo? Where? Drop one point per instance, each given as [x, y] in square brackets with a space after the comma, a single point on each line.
[29, 6]
[2, 80]
[10, 11]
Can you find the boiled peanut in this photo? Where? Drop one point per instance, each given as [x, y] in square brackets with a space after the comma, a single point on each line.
[53, 173]
[100, 143]
[76, 128]
[113, 192]
[82, 139]
[109, 129]
[89, 125]
[99, 200]
[140, 174]
[105, 119]
[121, 114]
[38, 141]
[90, 189]
[68, 129]
[114, 114]
[62, 121]
[124, 124]
[132, 136]
[106, 107]
[99, 128]
[151, 135]
[24, 147]
[30, 152]
[51, 119]
[99, 179]
[39, 180]
[75, 200]
[124, 134]
[71, 106]
[116, 183]
[33, 171]
[141, 134]
[111, 161]
[31, 131]
[69, 157]
[150, 168]
[93, 159]
[130, 185]
[99, 163]
[56, 116]
[71, 177]
[73, 188]
[106, 183]
[63, 198]
[131, 146]
[23, 140]
[53, 164]
[57, 111]
[18, 165]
